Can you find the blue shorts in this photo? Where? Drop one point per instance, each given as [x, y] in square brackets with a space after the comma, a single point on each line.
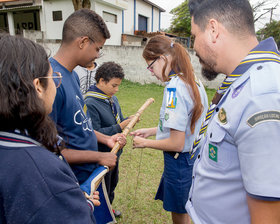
[175, 182]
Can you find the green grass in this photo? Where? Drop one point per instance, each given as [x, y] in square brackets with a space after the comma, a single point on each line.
[141, 169]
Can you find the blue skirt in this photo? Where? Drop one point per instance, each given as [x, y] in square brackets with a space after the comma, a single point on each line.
[175, 182]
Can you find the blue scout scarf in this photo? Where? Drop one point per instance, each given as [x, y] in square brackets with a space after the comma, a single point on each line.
[266, 51]
[171, 74]
[95, 92]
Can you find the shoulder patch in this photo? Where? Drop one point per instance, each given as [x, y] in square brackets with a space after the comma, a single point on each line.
[171, 98]
[265, 78]
[263, 116]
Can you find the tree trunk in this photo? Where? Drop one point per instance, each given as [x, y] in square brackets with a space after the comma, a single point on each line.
[86, 4]
[79, 4]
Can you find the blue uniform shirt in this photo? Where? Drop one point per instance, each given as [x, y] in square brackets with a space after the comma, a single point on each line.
[72, 120]
[36, 186]
[176, 110]
[240, 153]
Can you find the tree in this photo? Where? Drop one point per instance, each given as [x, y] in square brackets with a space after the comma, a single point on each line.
[270, 29]
[263, 7]
[181, 20]
[79, 4]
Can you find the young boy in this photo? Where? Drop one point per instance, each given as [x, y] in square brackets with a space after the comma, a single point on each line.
[86, 75]
[106, 115]
[84, 34]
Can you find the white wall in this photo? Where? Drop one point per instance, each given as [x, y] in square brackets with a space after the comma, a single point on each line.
[130, 58]
[143, 9]
[156, 20]
[129, 18]
[54, 28]
[114, 28]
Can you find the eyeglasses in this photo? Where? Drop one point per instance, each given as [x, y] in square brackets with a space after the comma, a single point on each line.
[56, 76]
[98, 49]
[150, 65]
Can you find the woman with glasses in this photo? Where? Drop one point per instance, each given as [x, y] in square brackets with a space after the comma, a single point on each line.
[183, 108]
[36, 184]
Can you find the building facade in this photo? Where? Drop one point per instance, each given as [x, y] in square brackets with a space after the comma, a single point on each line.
[44, 18]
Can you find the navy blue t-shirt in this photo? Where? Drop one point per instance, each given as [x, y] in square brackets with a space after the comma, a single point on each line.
[72, 120]
[36, 186]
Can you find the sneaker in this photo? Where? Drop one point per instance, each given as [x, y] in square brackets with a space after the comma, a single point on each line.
[117, 213]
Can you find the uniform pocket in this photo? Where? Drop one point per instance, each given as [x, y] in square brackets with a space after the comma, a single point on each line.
[219, 151]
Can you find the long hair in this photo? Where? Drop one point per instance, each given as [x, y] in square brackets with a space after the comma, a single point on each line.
[181, 65]
[21, 61]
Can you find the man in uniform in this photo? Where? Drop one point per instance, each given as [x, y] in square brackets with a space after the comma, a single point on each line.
[237, 170]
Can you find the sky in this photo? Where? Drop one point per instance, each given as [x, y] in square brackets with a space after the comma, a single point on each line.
[168, 5]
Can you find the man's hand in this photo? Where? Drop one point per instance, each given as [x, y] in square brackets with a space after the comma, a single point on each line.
[107, 159]
[120, 138]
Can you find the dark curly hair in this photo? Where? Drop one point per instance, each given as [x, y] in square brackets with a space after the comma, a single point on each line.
[21, 61]
[108, 71]
[84, 22]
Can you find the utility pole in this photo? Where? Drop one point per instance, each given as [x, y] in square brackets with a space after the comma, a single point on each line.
[271, 12]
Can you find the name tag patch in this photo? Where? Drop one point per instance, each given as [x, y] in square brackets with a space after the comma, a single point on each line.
[213, 153]
[263, 116]
[171, 98]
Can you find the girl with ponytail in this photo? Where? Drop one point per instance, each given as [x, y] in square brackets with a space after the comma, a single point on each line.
[183, 109]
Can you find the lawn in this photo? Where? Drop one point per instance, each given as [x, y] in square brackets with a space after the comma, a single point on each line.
[141, 169]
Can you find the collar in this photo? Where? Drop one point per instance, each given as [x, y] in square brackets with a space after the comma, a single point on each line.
[171, 74]
[95, 92]
[265, 51]
[14, 139]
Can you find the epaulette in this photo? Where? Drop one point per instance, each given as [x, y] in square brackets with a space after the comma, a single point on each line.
[265, 78]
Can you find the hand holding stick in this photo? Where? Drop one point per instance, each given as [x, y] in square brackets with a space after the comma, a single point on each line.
[92, 183]
[133, 121]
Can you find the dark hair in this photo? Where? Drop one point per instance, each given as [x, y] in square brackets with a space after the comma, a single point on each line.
[21, 61]
[84, 22]
[181, 65]
[235, 15]
[108, 71]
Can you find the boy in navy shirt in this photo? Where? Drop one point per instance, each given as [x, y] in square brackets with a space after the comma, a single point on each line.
[106, 115]
[84, 34]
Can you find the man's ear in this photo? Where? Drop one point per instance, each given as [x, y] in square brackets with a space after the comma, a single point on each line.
[38, 87]
[82, 41]
[214, 31]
